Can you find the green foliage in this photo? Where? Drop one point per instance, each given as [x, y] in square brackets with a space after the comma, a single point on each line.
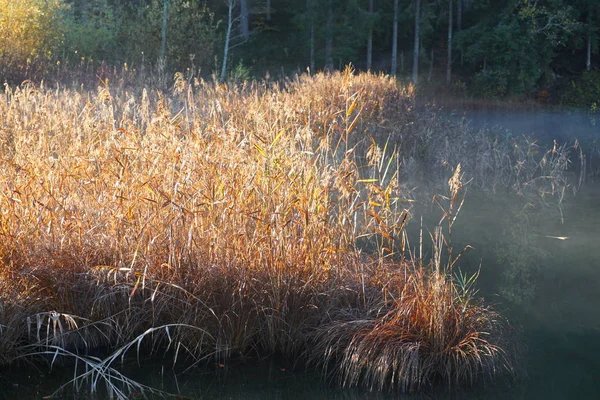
[554, 22]
[464, 287]
[240, 73]
[191, 33]
[91, 34]
[584, 91]
[505, 47]
[71, 33]
[29, 33]
[491, 83]
[350, 29]
[132, 33]
[514, 52]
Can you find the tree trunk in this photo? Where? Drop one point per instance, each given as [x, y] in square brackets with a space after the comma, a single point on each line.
[415, 70]
[449, 64]
[268, 10]
[329, 37]
[588, 59]
[312, 44]
[83, 9]
[395, 41]
[588, 55]
[459, 15]
[311, 41]
[230, 5]
[163, 35]
[431, 61]
[402, 62]
[370, 39]
[244, 27]
[459, 11]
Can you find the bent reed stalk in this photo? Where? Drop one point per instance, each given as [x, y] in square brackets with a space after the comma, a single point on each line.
[223, 220]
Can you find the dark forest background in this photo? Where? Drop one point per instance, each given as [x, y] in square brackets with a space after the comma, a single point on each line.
[545, 50]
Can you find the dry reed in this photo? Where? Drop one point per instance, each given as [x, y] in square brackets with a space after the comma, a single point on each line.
[222, 220]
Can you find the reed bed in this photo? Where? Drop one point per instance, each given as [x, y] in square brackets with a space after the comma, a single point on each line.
[231, 220]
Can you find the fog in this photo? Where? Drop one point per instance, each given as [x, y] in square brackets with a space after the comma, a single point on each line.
[547, 125]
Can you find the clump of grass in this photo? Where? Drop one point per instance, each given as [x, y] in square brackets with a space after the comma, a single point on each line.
[433, 330]
[427, 337]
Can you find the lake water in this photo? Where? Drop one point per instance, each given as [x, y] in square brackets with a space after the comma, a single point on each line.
[560, 325]
[557, 320]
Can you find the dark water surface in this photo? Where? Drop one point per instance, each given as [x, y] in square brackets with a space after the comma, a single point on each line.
[557, 320]
[560, 323]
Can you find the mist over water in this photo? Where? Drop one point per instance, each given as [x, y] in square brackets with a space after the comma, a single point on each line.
[555, 302]
[545, 125]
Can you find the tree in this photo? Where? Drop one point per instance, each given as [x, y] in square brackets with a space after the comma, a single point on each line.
[416, 50]
[230, 6]
[192, 35]
[244, 19]
[577, 55]
[590, 11]
[588, 53]
[506, 46]
[306, 20]
[394, 40]
[30, 34]
[516, 43]
[459, 12]
[459, 16]
[137, 32]
[370, 38]
[311, 21]
[163, 35]
[449, 62]
[329, 37]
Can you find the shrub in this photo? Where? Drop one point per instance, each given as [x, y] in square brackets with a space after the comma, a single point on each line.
[584, 92]
[492, 83]
[33, 28]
